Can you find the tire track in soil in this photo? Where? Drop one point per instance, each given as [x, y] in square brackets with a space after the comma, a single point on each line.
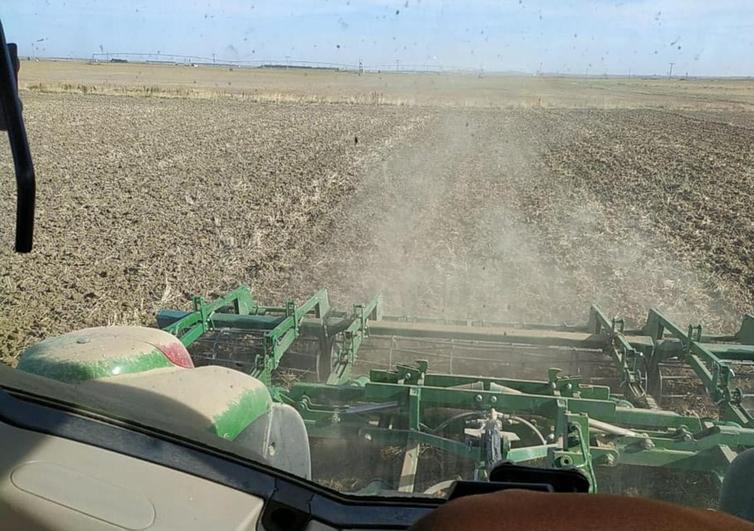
[468, 218]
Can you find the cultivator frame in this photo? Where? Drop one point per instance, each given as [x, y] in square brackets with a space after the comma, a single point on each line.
[639, 353]
[567, 423]
[278, 328]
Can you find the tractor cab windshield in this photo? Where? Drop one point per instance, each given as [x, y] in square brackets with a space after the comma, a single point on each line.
[387, 246]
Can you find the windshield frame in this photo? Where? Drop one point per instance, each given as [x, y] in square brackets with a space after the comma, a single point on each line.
[47, 415]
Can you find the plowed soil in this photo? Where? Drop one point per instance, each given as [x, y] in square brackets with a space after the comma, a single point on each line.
[527, 213]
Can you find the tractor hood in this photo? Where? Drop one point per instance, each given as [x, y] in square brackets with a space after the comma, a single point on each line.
[146, 377]
[151, 369]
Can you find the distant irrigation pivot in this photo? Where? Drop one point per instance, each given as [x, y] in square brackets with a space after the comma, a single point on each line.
[193, 60]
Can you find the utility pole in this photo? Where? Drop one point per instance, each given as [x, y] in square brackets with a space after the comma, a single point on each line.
[397, 65]
[670, 72]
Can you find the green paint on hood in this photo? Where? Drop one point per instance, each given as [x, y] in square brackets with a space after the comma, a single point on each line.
[41, 363]
[240, 413]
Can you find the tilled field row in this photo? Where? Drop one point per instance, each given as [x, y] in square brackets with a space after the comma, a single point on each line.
[145, 201]
[679, 186]
[527, 215]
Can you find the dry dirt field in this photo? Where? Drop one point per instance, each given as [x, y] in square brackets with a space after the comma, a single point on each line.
[521, 199]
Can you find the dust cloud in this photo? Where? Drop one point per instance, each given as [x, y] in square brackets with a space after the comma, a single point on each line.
[463, 218]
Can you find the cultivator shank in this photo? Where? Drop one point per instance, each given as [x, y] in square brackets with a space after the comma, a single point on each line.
[365, 378]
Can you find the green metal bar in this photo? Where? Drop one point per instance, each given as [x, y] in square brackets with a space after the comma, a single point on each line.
[724, 351]
[197, 322]
[625, 357]
[729, 352]
[478, 399]
[746, 333]
[258, 322]
[406, 482]
[319, 303]
[414, 411]
[666, 458]
[490, 334]
[563, 386]
[714, 372]
[657, 324]
[735, 413]
[647, 418]
[605, 409]
[528, 453]
[482, 323]
[578, 442]
[353, 337]
[708, 379]
[278, 340]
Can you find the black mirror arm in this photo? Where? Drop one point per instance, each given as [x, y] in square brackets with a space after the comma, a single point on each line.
[12, 120]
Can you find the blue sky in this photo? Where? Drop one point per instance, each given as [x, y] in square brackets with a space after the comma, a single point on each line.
[702, 37]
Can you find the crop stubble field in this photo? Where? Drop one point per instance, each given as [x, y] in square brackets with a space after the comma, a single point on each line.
[521, 199]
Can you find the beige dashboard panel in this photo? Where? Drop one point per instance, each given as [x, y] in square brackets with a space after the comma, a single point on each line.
[54, 484]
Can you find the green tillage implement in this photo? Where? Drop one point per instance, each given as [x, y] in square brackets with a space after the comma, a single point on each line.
[559, 421]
